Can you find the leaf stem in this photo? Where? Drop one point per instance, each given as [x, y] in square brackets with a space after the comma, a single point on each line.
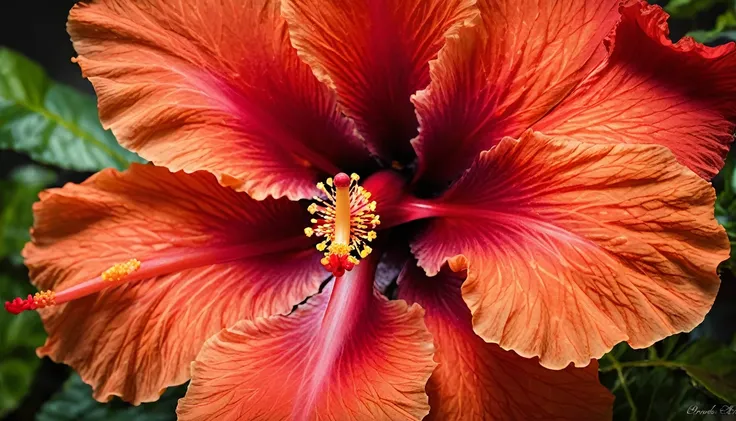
[645, 363]
[615, 365]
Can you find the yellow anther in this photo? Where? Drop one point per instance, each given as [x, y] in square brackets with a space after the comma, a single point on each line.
[121, 270]
[321, 246]
[354, 177]
[321, 186]
[313, 220]
[371, 235]
[329, 182]
[312, 208]
[308, 231]
[372, 206]
[44, 299]
[365, 252]
[339, 249]
[353, 260]
[366, 194]
[325, 261]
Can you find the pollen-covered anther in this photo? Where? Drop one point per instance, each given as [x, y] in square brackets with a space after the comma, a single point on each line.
[119, 271]
[345, 219]
[44, 299]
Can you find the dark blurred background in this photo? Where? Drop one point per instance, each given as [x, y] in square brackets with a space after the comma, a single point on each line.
[33, 390]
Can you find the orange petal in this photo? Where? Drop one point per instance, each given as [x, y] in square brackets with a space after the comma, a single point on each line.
[375, 54]
[500, 76]
[574, 247]
[347, 354]
[228, 256]
[216, 86]
[476, 380]
[652, 91]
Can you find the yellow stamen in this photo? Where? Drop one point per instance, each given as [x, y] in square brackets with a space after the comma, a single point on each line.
[121, 270]
[365, 252]
[345, 219]
[44, 299]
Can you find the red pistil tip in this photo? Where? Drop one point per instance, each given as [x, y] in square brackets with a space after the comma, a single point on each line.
[342, 180]
[338, 264]
[32, 302]
[20, 305]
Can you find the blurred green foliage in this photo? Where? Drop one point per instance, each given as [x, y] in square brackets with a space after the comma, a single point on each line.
[725, 24]
[17, 194]
[19, 335]
[75, 403]
[690, 8]
[726, 204]
[666, 380]
[725, 28]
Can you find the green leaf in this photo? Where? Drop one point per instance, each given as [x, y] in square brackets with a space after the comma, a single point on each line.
[51, 122]
[19, 337]
[712, 365]
[17, 195]
[75, 402]
[699, 374]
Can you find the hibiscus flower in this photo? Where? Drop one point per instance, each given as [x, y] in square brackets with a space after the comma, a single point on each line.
[533, 173]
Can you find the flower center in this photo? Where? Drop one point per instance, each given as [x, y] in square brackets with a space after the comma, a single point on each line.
[345, 219]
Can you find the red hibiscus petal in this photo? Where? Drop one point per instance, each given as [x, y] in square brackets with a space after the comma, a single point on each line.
[375, 54]
[214, 86]
[652, 91]
[221, 257]
[476, 380]
[347, 354]
[497, 78]
[574, 247]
